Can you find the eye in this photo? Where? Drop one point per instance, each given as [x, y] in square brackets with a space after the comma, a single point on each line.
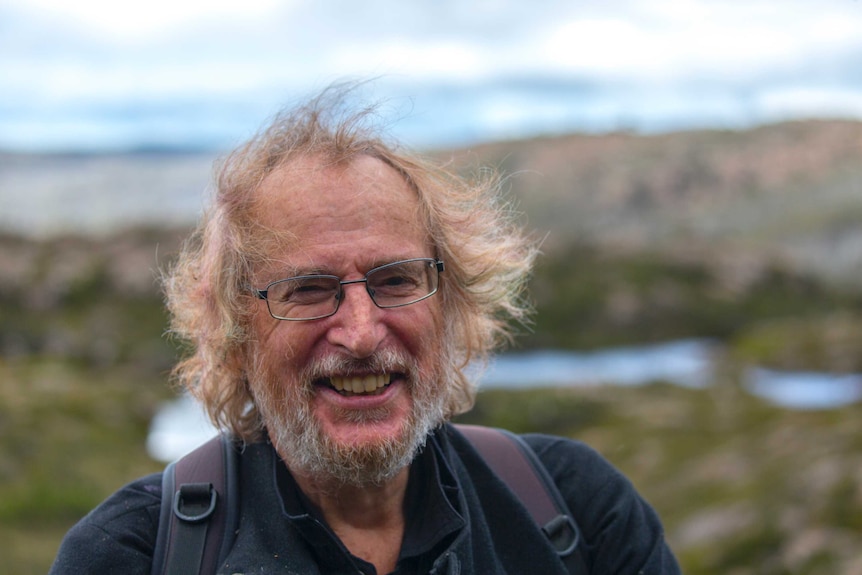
[303, 290]
[396, 280]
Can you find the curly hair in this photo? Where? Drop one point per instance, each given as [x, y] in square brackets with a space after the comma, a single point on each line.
[474, 230]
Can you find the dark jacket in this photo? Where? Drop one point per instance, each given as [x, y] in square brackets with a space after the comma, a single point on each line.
[461, 519]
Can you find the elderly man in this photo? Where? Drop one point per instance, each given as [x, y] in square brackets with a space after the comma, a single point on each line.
[333, 297]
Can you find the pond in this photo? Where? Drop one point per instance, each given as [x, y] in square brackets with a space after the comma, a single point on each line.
[181, 426]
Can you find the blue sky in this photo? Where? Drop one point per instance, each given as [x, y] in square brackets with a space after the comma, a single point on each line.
[97, 74]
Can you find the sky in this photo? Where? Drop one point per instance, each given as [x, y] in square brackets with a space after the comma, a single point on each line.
[103, 75]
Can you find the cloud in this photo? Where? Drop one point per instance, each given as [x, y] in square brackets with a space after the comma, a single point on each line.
[508, 59]
[136, 21]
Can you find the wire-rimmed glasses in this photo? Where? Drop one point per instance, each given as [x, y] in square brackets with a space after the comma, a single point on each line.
[316, 296]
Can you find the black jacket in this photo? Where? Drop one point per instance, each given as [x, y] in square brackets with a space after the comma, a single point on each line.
[461, 519]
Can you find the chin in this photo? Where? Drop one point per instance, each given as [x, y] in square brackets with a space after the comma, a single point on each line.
[320, 434]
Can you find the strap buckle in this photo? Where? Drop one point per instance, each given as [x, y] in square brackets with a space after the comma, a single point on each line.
[563, 534]
[195, 502]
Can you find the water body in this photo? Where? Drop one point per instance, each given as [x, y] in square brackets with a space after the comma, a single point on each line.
[805, 390]
[180, 425]
[689, 363]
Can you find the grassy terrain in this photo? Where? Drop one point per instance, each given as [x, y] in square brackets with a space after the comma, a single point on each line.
[69, 435]
[83, 368]
[750, 238]
[587, 298]
[742, 487]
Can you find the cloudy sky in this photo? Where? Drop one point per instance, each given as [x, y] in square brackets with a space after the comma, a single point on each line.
[101, 74]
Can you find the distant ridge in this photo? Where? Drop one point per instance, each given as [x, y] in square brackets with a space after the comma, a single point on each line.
[790, 191]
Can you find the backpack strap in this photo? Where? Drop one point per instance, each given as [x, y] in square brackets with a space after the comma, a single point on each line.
[199, 510]
[515, 462]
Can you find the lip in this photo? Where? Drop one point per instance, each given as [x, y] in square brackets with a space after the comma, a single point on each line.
[362, 401]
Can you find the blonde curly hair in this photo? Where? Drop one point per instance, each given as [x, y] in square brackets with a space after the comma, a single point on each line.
[475, 232]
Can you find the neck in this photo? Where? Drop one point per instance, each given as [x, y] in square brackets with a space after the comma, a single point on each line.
[369, 520]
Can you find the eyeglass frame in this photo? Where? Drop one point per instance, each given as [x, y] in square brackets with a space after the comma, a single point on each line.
[339, 295]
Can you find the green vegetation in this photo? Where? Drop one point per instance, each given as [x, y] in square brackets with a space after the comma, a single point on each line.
[742, 487]
[69, 436]
[83, 369]
[588, 298]
[749, 238]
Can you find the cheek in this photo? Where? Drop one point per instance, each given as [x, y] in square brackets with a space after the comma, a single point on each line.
[421, 330]
[261, 324]
[273, 341]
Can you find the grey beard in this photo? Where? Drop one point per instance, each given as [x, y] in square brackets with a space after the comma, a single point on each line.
[298, 436]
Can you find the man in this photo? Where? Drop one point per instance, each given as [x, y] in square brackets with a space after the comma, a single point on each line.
[335, 294]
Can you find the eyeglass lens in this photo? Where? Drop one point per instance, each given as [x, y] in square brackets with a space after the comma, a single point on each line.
[314, 296]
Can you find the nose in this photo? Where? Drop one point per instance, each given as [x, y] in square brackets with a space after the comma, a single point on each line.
[357, 327]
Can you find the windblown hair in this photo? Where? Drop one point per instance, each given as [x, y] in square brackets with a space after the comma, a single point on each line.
[474, 230]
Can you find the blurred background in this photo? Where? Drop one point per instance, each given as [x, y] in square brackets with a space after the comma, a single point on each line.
[694, 165]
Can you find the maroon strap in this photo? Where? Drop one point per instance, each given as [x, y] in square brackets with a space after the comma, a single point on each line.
[504, 454]
[182, 548]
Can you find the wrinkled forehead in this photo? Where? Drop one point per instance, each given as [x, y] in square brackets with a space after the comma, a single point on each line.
[310, 198]
[303, 180]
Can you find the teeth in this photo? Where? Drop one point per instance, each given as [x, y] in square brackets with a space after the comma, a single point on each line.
[365, 384]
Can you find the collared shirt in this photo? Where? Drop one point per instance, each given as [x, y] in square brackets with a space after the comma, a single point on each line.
[461, 520]
[430, 511]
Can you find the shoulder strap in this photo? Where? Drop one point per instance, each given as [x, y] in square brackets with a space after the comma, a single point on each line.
[199, 511]
[519, 467]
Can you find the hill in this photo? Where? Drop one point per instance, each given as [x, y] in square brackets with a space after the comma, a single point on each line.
[790, 192]
[751, 238]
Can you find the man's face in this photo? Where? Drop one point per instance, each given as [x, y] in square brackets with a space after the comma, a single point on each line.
[344, 220]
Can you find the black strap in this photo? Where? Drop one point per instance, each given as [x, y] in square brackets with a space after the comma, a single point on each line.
[199, 511]
[198, 520]
[520, 468]
[194, 504]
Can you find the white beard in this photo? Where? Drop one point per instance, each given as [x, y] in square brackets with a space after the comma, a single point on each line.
[285, 404]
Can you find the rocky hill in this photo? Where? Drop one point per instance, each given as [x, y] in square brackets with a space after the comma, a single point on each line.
[728, 235]
[791, 191]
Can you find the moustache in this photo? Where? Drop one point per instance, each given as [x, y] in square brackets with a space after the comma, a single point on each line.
[386, 361]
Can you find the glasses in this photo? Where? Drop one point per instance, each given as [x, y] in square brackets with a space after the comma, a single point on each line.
[317, 296]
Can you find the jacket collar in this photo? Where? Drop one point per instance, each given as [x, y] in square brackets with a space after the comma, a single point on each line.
[433, 505]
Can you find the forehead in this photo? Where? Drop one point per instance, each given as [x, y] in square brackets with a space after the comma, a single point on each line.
[325, 210]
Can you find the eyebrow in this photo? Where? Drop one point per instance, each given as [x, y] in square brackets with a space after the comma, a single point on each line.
[294, 271]
[310, 271]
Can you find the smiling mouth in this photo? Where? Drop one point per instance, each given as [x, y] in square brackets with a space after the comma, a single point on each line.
[360, 385]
